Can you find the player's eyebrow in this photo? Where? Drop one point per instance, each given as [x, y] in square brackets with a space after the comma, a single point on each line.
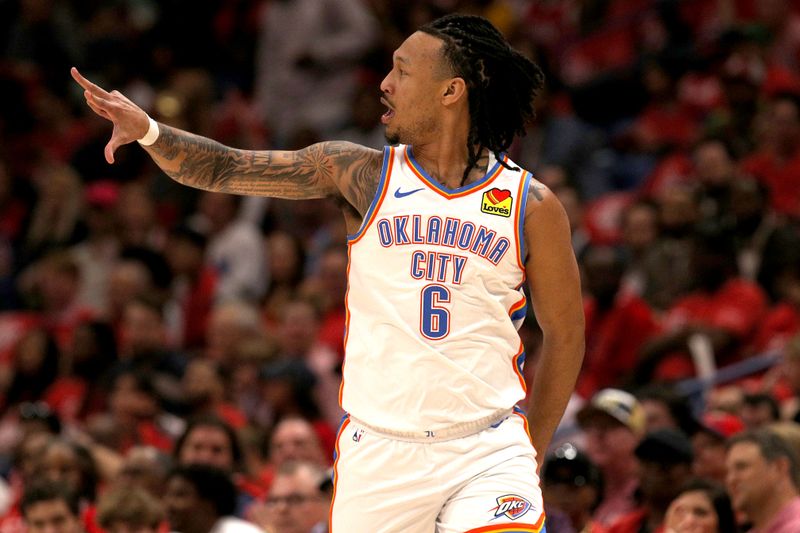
[400, 59]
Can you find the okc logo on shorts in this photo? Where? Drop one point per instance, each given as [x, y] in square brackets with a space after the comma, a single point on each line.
[511, 506]
[497, 202]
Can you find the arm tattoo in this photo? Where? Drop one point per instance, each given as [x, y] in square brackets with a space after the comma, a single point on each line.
[535, 188]
[328, 169]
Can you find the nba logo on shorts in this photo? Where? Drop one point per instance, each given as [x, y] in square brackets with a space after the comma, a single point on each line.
[511, 506]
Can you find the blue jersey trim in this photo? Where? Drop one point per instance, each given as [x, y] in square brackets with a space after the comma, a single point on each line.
[447, 190]
[523, 203]
[387, 152]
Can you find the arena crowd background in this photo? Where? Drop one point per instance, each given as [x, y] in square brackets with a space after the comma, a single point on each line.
[132, 308]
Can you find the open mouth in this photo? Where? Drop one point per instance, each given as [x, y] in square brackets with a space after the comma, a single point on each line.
[389, 112]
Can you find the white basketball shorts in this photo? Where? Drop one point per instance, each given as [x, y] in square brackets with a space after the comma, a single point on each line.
[483, 482]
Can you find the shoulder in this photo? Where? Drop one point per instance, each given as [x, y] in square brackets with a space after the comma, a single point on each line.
[542, 205]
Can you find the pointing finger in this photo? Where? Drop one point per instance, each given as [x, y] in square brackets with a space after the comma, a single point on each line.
[86, 84]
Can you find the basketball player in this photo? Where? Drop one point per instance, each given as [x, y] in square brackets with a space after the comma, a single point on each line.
[444, 232]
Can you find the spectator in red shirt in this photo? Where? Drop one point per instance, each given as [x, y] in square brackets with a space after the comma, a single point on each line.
[776, 162]
[193, 286]
[617, 324]
[723, 309]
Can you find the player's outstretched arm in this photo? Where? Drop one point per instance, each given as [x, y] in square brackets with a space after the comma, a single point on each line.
[328, 169]
[556, 293]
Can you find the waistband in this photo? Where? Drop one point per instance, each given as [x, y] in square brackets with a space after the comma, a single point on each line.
[449, 433]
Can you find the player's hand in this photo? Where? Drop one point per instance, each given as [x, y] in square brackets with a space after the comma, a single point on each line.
[130, 121]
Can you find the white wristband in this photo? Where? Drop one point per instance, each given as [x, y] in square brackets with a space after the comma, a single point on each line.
[152, 133]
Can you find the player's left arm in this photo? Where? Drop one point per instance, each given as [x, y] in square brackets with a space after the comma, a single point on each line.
[555, 287]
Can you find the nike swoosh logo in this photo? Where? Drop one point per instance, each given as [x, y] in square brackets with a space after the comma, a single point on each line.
[399, 194]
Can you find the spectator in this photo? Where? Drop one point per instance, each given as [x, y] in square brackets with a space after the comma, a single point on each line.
[573, 484]
[665, 458]
[67, 462]
[640, 230]
[762, 480]
[289, 389]
[51, 507]
[775, 161]
[296, 502]
[95, 255]
[229, 324]
[306, 79]
[666, 265]
[287, 258]
[293, 439]
[759, 410]
[194, 284]
[613, 422]
[80, 390]
[144, 467]
[700, 507]
[35, 368]
[129, 509]
[299, 339]
[208, 440]
[234, 248]
[665, 408]
[708, 443]
[134, 416]
[723, 309]
[617, 324]
[204, 393]
[200, 498]
[143, 347]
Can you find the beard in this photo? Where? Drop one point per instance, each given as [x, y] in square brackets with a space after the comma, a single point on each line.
[392, 138]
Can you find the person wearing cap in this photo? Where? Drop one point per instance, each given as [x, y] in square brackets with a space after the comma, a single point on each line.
[665, 459]
[573, 485]
[708, 443]
[613, 422]
[763, 479]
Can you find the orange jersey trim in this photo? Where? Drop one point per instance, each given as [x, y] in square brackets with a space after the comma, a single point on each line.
[420, 173]
[512, 528]
[336, 471]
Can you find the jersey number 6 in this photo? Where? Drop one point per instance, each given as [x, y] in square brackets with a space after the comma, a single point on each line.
[434, 319]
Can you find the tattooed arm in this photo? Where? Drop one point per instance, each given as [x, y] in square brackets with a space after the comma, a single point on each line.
[342, 170]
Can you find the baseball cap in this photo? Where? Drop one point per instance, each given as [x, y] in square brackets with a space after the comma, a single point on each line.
[567, 465]
[668, 446]
[721, 424]
[620, 405]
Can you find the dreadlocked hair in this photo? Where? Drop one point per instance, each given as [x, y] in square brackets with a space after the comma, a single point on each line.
[502, 84]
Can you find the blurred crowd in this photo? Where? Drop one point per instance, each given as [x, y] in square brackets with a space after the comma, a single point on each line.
[170, 359]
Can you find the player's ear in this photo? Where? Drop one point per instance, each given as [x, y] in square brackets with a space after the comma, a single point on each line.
[454, 90]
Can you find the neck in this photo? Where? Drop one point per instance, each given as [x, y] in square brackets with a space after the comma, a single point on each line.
[446, 163]
[444, 155]
[766, 511]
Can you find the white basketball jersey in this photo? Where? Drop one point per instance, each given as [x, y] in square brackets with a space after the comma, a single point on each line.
[434, 300]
